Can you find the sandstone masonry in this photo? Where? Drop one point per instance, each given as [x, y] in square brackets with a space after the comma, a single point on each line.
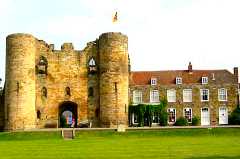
[43, 83]
[93, 87]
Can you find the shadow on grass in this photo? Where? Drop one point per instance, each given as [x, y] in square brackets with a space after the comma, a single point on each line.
[215, 157]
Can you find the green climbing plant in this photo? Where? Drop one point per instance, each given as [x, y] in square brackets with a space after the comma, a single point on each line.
[145, 113]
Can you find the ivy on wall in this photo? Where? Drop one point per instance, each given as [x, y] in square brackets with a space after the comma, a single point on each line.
[145, 112]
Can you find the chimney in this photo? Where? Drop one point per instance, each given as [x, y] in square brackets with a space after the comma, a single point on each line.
[235, 70]
[190, 67]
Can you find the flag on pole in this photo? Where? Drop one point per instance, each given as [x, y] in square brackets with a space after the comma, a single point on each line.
[115, 17]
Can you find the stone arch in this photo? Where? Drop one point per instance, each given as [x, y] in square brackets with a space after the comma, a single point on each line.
[68, 114]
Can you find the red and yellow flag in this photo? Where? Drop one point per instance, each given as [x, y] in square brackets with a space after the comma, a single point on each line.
[115, 18]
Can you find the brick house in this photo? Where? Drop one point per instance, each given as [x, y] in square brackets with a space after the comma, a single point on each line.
[210, 95]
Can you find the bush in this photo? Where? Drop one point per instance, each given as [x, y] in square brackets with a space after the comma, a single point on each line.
[234, 117]
[163, 118]
[195, 121]
[181, 122]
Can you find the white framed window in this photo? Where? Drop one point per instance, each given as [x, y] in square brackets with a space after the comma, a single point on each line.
[156, 118]
[134, 118]
[171, 95]
[187, 95]
[222, 94]
[178, 80]
[204, 95]
[171, 115]
[187, 113]
[204, 80]
[154, 96]
[137, 96]
[153, 81]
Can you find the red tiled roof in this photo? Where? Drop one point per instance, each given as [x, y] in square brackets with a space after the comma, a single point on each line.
[169, 77]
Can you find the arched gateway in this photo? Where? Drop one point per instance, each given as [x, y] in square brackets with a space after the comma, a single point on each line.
[67, 114]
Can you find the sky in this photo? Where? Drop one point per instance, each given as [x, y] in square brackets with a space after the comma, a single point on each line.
[163, 34]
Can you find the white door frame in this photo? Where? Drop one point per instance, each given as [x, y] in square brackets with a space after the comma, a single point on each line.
[223, 116]
[206, 119]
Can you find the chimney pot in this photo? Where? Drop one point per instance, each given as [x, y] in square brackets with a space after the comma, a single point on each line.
[235, 71]
[190, 67]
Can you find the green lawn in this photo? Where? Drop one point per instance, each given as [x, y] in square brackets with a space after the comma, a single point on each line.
[175, 143]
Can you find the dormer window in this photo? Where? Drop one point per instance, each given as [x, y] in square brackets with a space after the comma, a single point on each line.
[92, 65]
[204, 80]
[153, 81]
[178, 80]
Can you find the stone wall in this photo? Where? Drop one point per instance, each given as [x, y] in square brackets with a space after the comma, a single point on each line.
[20, 82]
[113, 67]
[93, 83]
[65, 68]
[69, 68]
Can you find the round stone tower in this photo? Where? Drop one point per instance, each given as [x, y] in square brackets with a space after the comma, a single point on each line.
[20, 82]
[113, 84]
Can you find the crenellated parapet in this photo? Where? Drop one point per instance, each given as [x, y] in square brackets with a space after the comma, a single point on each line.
[38, 77]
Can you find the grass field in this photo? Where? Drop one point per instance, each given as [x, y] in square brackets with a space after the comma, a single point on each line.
[175, 143]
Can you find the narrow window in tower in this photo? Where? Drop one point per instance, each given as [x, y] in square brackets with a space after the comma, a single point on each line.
[67, 91]
[42, 65]
[44, 92]
[92, 62]
[17, 87]
[90, 92]
[115, 87]
[97, 112]
[92, 65]
[38, 114]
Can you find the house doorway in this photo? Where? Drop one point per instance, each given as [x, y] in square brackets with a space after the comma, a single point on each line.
[223, 115]
[205, 116]
[68, 114]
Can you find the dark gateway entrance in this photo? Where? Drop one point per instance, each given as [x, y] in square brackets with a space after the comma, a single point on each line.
[68, 114]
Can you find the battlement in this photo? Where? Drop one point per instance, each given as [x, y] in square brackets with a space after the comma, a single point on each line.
[67, 47]
[116, 36]
[20, 35]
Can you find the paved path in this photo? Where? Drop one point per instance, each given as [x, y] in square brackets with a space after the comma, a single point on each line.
[135, 128]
